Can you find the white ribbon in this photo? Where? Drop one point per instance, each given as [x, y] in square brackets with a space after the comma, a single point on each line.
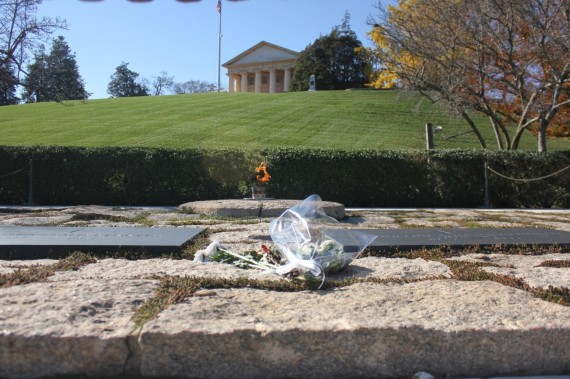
[302, 265]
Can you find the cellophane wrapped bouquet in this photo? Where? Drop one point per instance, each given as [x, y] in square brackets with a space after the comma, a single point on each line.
[302, 235]
[305, 243]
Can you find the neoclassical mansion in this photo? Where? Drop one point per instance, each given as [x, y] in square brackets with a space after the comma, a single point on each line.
[264, 67]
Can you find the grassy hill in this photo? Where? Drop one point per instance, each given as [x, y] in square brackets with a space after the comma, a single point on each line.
[324, 119]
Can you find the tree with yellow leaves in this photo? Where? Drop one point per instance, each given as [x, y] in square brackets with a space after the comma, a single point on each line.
[508, 59]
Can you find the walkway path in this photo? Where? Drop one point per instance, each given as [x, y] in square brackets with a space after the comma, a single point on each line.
[474, 314]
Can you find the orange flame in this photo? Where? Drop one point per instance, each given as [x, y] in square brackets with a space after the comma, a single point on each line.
[261, 173]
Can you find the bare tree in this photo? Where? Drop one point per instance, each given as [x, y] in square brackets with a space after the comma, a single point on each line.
[21, 32]
[509, 59]
[162, 82]
[194, 86]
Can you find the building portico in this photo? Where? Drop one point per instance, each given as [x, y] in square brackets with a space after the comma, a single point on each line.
[264, 68]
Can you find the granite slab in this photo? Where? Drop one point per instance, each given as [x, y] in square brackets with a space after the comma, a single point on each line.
[410, 239]
[25, 242]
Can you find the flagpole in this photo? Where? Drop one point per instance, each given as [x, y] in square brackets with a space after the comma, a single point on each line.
[219, 42]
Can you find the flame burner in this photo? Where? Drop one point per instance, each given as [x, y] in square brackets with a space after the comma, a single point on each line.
[259, 188]
[261, 173]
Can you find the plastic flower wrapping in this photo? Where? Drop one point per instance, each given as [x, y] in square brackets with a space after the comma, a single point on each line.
[303, 239]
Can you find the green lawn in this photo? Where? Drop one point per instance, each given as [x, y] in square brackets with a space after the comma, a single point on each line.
[322, 119]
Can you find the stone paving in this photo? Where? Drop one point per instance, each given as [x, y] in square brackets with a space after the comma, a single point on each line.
[380, 317]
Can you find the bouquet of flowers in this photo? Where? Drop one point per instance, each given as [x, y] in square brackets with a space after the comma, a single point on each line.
[305, 248]
[302, 237]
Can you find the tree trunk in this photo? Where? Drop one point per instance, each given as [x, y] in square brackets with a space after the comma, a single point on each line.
[517, 139]
[542, 136]
[497, 135]
[474, 128]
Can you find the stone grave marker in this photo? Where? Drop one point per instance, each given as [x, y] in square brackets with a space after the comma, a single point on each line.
[24, 242]
[409, 239]
[312, 83]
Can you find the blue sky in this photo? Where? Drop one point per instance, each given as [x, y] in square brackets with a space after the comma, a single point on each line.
[182, 38]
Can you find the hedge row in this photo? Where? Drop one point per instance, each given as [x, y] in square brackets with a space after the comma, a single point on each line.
[367, 178]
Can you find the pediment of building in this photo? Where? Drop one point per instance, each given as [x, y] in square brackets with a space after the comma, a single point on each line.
[263, 52]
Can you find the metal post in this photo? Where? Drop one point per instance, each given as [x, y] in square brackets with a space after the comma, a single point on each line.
[30, 188]
[219, 44]
[429, 136]
[486, 203]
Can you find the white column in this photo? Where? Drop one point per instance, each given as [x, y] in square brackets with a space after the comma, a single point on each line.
[257, 81]
[236, 83]
[287, 80]
[231, 83]
[272, 80]
[244, 82]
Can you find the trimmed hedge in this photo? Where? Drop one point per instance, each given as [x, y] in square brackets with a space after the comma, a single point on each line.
[367, 178]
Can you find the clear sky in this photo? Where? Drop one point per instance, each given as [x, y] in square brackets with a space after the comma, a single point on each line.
[182, 38]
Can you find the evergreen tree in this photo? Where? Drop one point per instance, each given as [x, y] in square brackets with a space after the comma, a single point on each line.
[54, 77]
[36, 83]
[334, 61]
[8, 86]
[124, 83]
[21, 32]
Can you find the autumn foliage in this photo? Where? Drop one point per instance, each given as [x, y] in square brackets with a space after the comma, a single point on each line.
[509, 59]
